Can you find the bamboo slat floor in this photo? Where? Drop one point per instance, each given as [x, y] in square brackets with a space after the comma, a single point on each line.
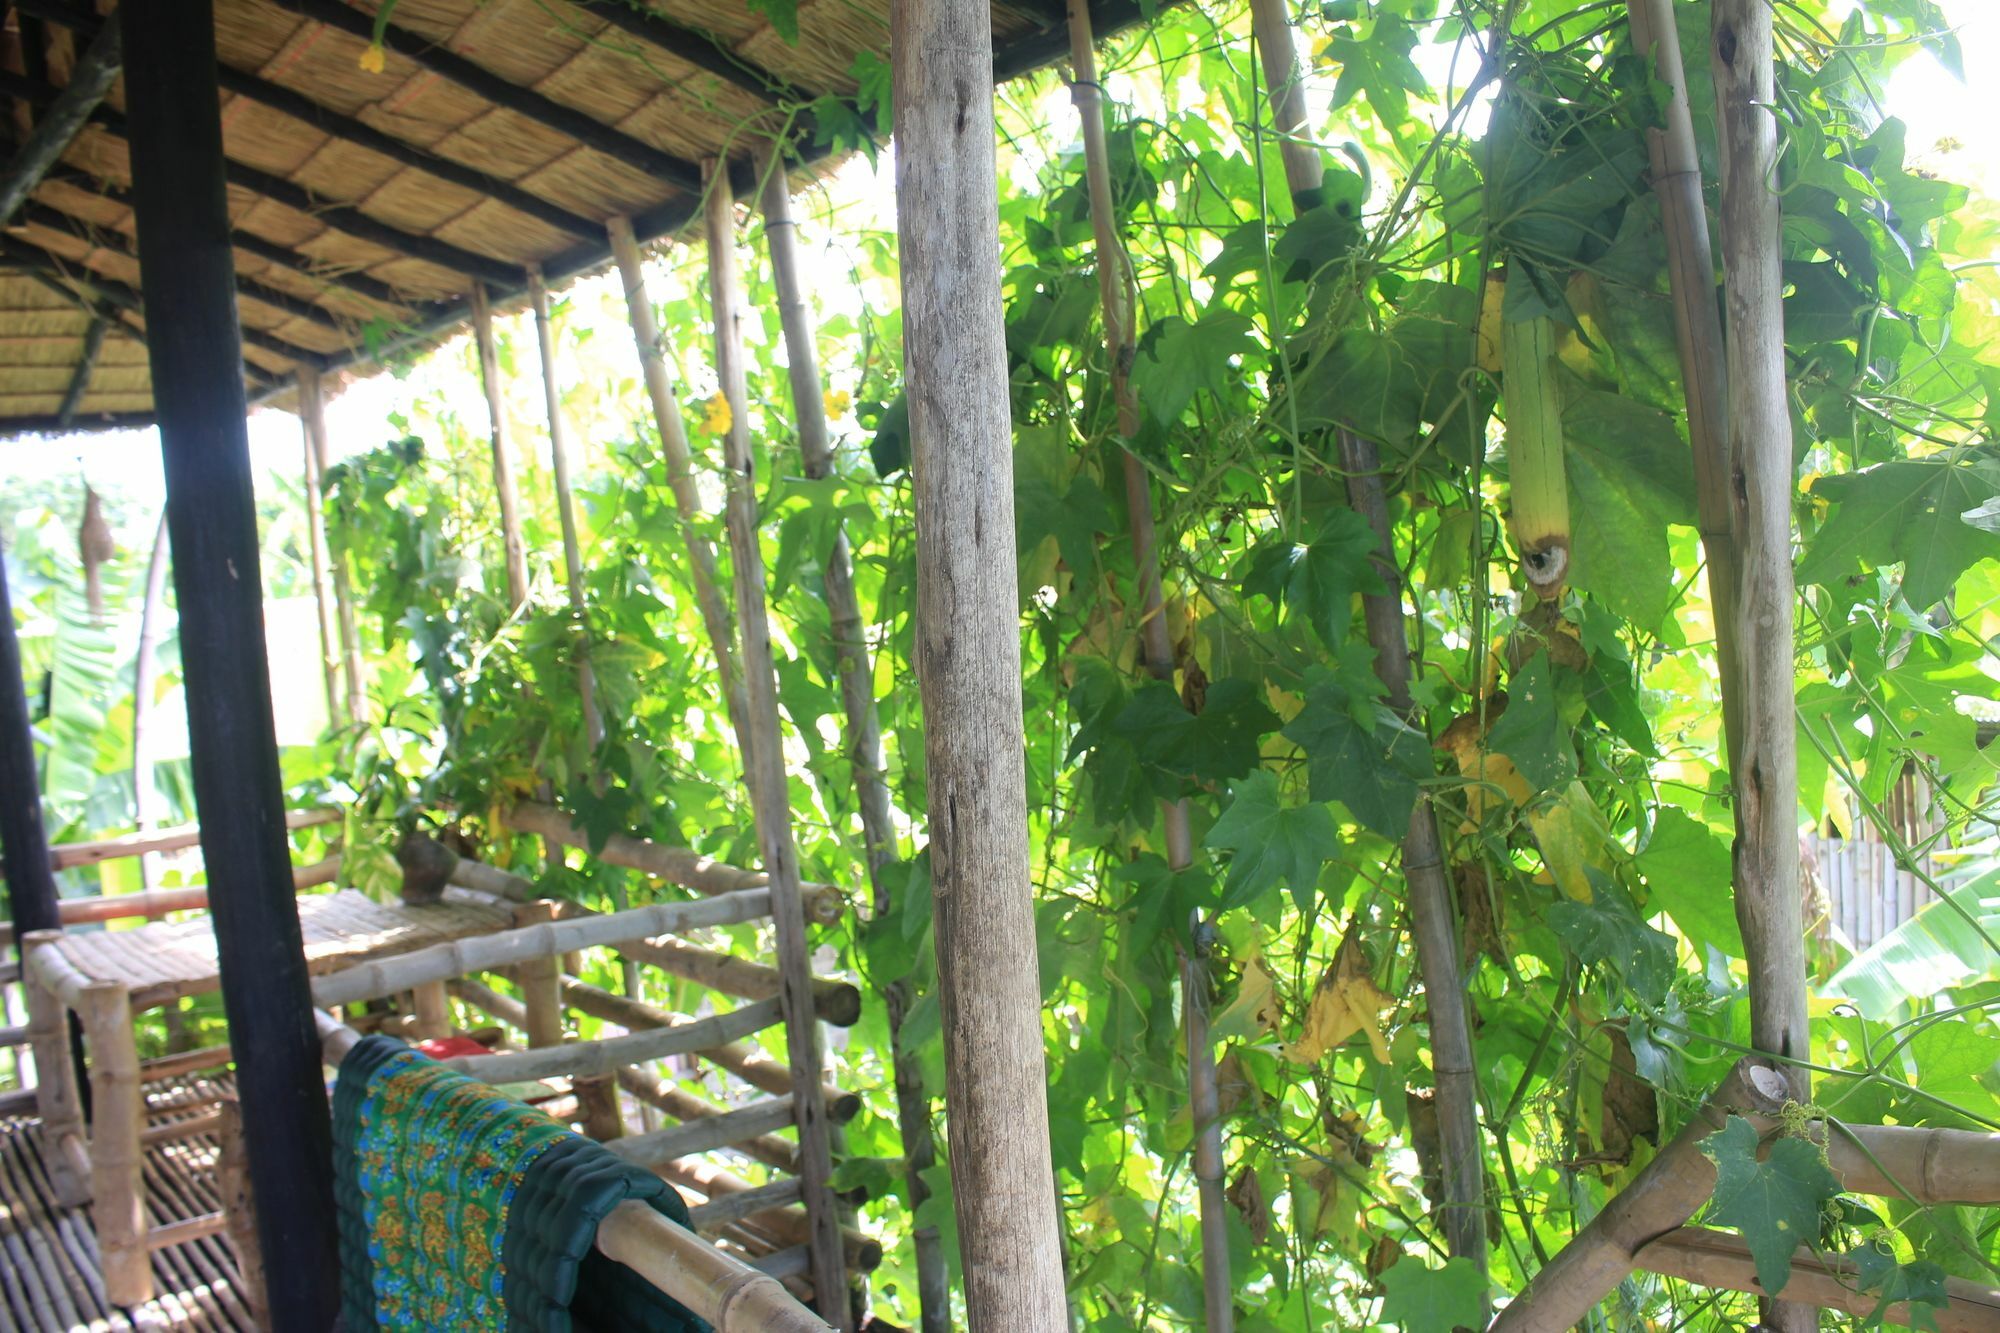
[49, 1279]
[170, 959]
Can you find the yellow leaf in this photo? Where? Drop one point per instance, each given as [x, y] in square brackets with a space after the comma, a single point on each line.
[1573, 837]
[371, 58]
[836, 401]
[716, 418]
[1254, 1011]
[1492, 299]
[1346, 1002]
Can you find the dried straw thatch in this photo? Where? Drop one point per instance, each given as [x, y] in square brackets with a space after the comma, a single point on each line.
[371, 187]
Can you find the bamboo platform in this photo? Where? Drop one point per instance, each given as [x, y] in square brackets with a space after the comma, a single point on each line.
[49, 1274]
[168, 960]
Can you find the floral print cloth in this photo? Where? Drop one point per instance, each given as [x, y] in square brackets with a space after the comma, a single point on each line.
[462, 1208]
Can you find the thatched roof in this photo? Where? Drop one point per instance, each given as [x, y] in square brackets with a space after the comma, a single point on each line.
[496, 134]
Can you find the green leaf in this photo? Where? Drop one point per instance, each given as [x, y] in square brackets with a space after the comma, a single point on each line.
[1216, 745]
[1177, 359]
[783, 16]
[1319, 579]
[1377, 66]
[1271, 845]
[1074, 518]
[1531, 732]
[1935, 950]
[1417, 1299]
[1775, 1203]
[1629, 477]
[1921, 1284]
[1920, 512]
[1370, 769]
[1951, 1057]
[1688, 870]
[1608, 933]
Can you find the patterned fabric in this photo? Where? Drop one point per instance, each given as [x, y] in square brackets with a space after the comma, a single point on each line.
[461, 1208]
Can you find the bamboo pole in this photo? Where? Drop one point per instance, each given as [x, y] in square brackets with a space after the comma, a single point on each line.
[835, 1002]
[1664, 1195]
[680, 475]
[69, 855]
[312, 414]
[586, 1058]
[503, 461]
[539, 981]
[864, 726]
[433, 1010]
[708, 1133]
[1463, 1166]
[1716, 1259]
[777, 1153]
[232, 1181]
[764, 761]
[146, 675]
[1765, 773]
[118, 1116]
[1120, 344]
[57, 1099]
[724, 1207]
[969, 667]
[322, 570]
[479, 953]
[586, 679]
[1676, 167]
[759, 1071]
[677, 865]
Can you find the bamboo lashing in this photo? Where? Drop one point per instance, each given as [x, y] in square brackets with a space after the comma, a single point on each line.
[604, 1056]
[728, 1293]
[455, 958]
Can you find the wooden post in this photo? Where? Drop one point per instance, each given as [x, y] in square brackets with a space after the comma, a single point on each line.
[1697, 333]
[433, 1010]
[586, 681]
[118, 1114]
[680, 475]
[322, 574]
[969, 666]
[312, 414]
[764, 765]
[540, 981]
[31, 884]
[56, 1094]
[90, 78]
[239, 1205]
[503, 463]
[1764, 773]
[181, 208]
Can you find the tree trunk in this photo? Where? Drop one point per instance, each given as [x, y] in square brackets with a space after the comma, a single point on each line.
[969, 666]
[764, 766]
[1765, 775]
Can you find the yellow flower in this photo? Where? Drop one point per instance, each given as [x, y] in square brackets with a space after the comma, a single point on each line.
[371, 59]
[836, 403]
[715, 415]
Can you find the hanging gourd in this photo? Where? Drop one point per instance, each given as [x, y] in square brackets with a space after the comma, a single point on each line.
[1540, 490]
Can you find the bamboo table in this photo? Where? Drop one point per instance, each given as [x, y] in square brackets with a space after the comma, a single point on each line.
[107, 978]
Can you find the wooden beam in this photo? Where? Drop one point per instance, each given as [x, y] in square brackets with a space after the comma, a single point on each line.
[335, 125]
[89, 80]
[181, 202]
[429, 55]
[79, 379]
[31, 882]
[969, 655]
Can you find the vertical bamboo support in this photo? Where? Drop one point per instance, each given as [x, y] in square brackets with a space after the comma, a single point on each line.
[969, 666]
[1765, 773]
[312, 412]
[503, 459]
[1120, 345]
[433, 1010]
[1463, 1206]
[322, 574]
[118, 1113]
[239, 1206]
[586, 681]
[56, 1095]
[1676, 170]
[540, 981]
[864, 727]
[146, 674]
[597, 1107]
[764, 766]
[680, 473]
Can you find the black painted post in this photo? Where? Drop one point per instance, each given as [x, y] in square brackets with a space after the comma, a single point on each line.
[31, 884]
[190, 295]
